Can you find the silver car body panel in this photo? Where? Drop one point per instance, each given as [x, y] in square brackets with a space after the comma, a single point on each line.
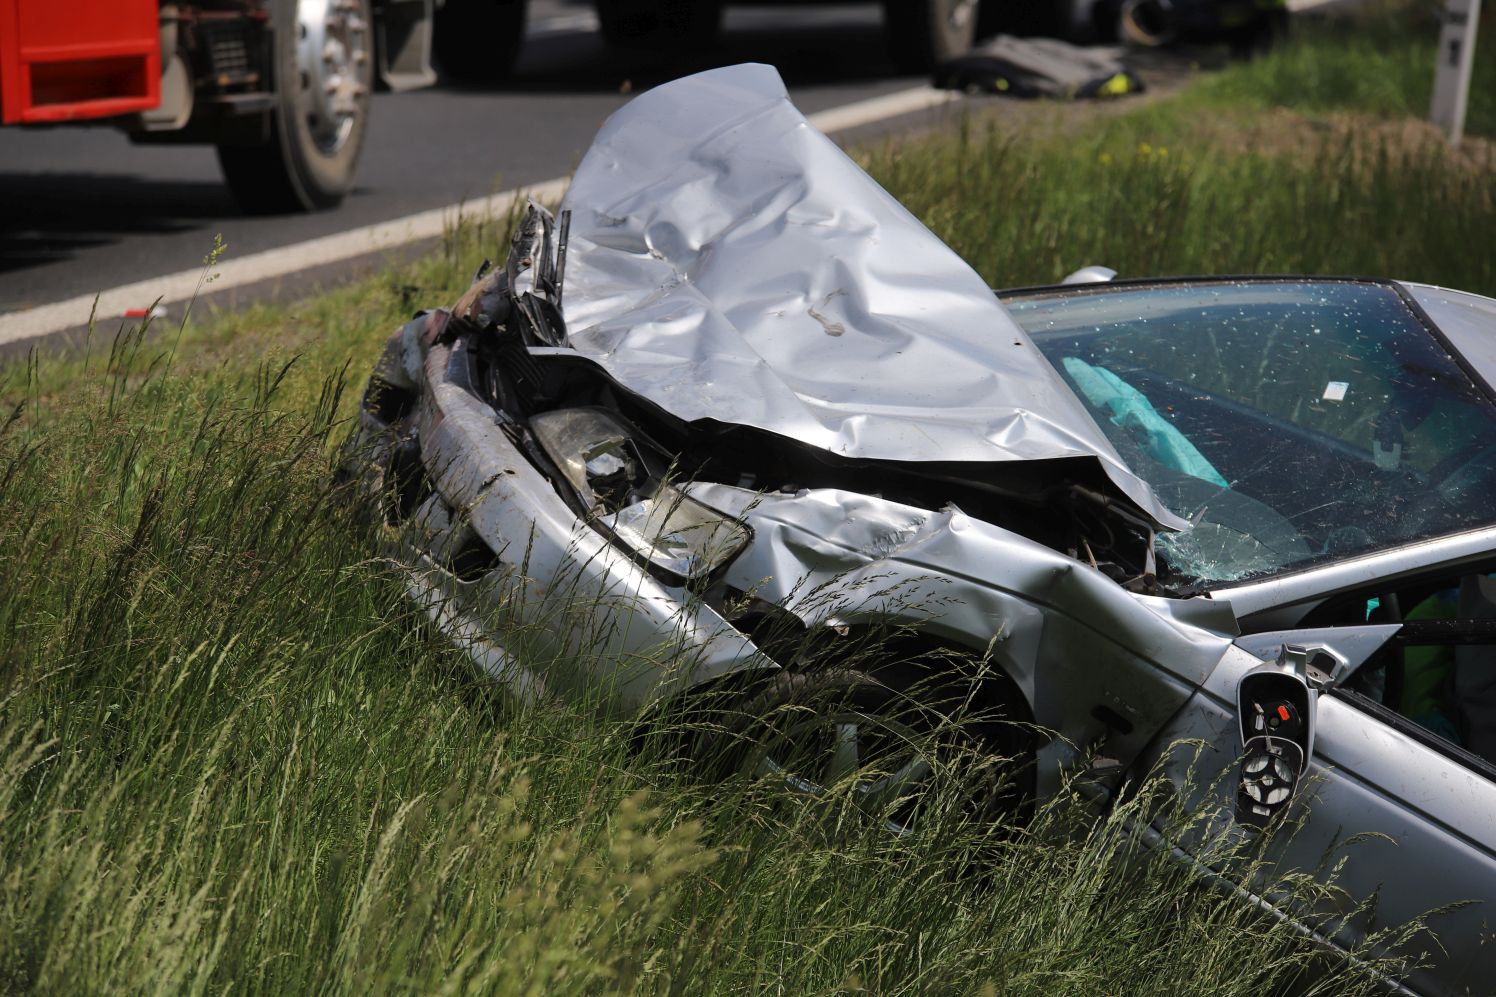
[1432, 818]
[727, 259]
[580, 618]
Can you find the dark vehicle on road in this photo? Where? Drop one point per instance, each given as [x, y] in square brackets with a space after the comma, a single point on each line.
[737, 392]
[925, 33]
[921, 33]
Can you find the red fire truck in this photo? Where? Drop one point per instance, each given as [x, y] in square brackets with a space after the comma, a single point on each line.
[280, 87]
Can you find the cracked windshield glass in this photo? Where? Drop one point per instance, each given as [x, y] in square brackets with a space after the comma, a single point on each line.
[1289, 422]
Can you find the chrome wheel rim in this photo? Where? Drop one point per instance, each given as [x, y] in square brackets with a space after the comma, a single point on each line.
[332, 53]
[962, 13]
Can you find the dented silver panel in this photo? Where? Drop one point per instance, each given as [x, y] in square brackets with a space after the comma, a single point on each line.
[728, 261]
[1071, 638]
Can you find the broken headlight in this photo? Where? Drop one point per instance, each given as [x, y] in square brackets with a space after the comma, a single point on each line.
[654, 519]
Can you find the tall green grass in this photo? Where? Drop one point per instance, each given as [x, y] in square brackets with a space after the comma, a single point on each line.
[1141, 195]
[1378, 60]
[1212, 181]
[233, 758]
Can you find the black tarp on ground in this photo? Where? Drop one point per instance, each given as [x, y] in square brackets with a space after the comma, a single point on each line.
[1039, 67]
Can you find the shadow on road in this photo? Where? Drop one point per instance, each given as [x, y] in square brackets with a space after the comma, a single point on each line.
[50, 216]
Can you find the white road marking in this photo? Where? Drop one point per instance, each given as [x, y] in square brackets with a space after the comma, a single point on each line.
[866, 112]
[240, 271]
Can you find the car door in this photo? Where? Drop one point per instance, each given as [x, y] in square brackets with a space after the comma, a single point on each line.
[1412, 815]
[1436, 805]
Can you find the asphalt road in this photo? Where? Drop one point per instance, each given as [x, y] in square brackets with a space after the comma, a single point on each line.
[82, 210]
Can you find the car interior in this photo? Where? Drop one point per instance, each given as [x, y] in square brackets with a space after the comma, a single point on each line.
[1438, 673]
[1291, 422]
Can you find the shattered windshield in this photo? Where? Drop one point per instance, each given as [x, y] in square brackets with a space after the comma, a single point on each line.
[1289, 422]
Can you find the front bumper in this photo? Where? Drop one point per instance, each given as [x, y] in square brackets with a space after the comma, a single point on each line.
[490, 548]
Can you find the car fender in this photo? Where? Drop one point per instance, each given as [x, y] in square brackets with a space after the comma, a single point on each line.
[1101, 668]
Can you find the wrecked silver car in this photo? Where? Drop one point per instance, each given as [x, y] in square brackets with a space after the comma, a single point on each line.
[735, 392]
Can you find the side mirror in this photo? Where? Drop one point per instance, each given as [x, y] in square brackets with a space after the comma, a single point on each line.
[1275, 709]
[1090, 275]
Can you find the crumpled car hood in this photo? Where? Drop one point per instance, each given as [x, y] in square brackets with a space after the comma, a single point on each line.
[728, 262]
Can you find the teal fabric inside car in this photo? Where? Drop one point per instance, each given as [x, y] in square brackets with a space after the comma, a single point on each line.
[1129, 410]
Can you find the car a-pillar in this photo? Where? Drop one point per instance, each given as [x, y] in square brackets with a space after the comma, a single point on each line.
[318, 55]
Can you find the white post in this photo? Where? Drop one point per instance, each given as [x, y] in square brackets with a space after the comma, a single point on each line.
[1452, 69]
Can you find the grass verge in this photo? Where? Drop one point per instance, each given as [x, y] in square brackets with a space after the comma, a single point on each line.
[1376, 60]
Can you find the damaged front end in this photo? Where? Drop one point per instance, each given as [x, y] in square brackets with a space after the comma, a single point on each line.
[663, 484]
[579, 541]
[537, 535]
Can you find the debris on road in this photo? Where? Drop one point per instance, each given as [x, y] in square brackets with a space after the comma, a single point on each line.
[1039, 67]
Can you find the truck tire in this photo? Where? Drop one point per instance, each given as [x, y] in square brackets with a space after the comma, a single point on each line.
[924, 33]
[478, 41]
[322, 71]
[658, 24]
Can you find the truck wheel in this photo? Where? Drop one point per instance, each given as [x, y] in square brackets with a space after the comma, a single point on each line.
[478, 41]
[658, 24]
[322, 70]
[924, 33]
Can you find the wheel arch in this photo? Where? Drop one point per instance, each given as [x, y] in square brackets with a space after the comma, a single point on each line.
[877, 646]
